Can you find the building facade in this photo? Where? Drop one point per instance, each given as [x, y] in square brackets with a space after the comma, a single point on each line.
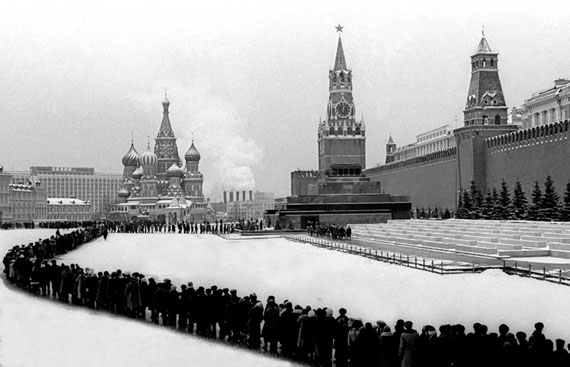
[5, 197]
[547, 106]
[68, 209]
[487, 150]
[431, 141]
[251, 206]
[100, 189]
[152, 191]
[28, 202]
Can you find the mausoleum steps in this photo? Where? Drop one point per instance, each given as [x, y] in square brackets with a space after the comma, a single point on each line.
[489, 238]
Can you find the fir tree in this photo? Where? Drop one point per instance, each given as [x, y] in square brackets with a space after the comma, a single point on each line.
[520, 203]
[496, 205]
[460, 211]
[446, 214]
[550, 203]
[536, 198]
[487, 208]
[467, 204]
[505, 208]
[476, 201]
[565, 211]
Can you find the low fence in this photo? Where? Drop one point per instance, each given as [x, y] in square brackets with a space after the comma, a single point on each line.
[432, 265]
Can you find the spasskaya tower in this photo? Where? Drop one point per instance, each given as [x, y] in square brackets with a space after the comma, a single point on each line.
[341, 139]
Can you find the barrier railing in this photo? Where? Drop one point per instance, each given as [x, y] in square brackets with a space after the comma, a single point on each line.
[441, 267]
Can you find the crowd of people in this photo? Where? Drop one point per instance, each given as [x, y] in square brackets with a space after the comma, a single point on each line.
[316, 336]
[215, 227]
[65, 224]
[329, 230]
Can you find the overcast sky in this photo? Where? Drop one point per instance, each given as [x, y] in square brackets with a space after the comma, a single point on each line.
[250, 78]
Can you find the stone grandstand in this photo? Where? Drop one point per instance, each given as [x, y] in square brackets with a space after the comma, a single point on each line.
[498, 240]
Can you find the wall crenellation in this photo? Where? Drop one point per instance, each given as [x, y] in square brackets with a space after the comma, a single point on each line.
[523, 137]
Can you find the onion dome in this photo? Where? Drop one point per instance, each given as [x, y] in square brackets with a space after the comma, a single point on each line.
[148, 158]
[165, 102]
[192, 154]
[131, 159]
[138, 172]
[174, 171]
[123, 193]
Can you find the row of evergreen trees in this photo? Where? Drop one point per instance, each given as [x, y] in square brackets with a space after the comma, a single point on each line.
[544, 204]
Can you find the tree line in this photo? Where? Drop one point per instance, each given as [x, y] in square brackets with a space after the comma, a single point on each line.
[502, 204]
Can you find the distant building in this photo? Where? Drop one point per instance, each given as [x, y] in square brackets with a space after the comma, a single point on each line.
[429, 142]
[247, 205]
[100, 189]
[68, 209]
[28, 202]
[547, 106]
[5, 197]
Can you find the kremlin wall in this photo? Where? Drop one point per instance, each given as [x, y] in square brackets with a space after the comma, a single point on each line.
[487, 149]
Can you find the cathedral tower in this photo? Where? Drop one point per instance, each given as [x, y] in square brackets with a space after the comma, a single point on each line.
[341, 139]
[165, 146]
[485, 100]
[130, 162]
[193, 180]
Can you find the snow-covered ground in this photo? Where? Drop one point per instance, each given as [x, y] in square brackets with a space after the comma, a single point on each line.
[42, 333]
[308, 275]
[36, 332]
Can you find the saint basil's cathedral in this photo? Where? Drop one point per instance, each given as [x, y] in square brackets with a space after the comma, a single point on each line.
[158, 185]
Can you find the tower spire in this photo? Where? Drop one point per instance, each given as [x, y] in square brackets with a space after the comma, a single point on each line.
[483, 46]
[340, 61]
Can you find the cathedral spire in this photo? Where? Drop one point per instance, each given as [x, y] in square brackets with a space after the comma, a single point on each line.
[340, 61]
[165, 127]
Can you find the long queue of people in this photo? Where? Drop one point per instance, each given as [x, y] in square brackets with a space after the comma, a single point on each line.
[303, 334]
[215, 227]
[64, 224]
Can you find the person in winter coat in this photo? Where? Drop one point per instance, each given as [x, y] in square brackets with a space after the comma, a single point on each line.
[255, 316]
[388, 347]
[341, 342]
[408, 345]
[307, 324]
[172, 305]
[148, 299]
[101, 293]
[232, 317]
[354, 347]
[367, 339]
[184, 307]
[288, 329]
[54, 274]
[324, 334]
[270, 325]
[133, 300]
[161, 302]
[66, 284]
[427, 347]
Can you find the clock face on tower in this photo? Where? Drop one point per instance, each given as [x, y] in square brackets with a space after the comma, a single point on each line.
[342, 110]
